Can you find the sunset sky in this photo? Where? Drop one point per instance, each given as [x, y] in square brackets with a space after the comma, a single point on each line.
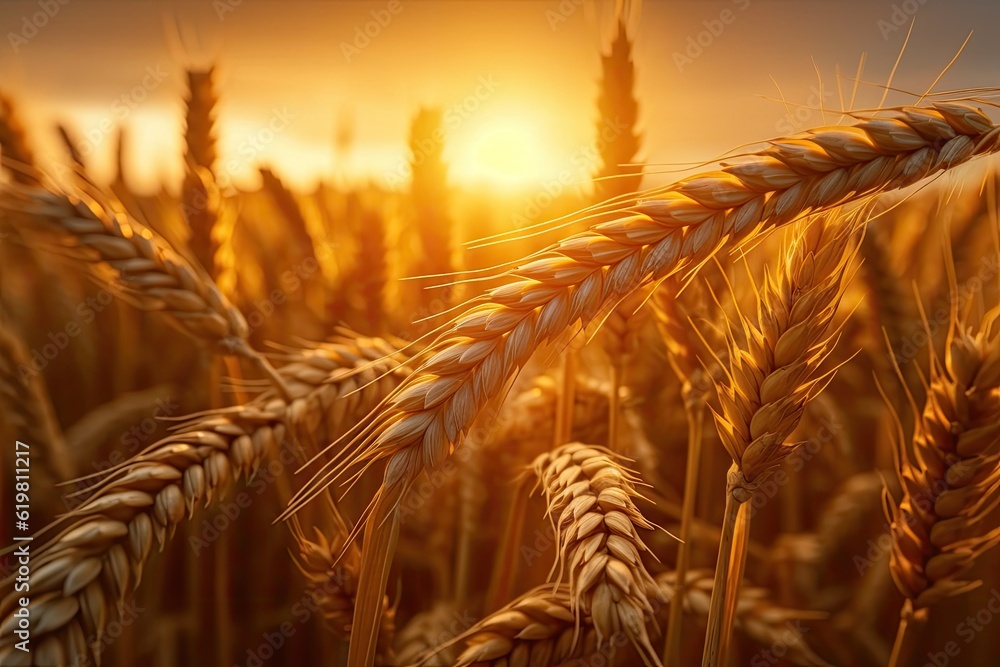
[517, 79]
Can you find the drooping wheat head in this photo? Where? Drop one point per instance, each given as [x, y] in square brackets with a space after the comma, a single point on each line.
[590, 501]
[473, 359]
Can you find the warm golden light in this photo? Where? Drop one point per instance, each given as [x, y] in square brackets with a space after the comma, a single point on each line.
[510, 153]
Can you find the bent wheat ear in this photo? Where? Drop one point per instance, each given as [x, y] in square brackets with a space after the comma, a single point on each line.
[130, 259]
[541, 628]
[97, 558]
[538, 629]
[472, 361]
[596, 522]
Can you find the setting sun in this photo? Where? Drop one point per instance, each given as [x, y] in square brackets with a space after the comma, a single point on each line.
[509, 153]
[590, 333]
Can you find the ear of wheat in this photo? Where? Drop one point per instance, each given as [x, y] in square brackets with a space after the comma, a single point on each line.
[597, 526]
[331, 581]
[200, 196]
[771, 377]
[949, 476]
[97, 557]
[429, 638]
[132, 260]
[619, 113]
[541, 628]
[473, 359]
[18, 157]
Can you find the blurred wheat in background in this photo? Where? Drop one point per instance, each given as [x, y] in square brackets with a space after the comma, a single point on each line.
[738, 412]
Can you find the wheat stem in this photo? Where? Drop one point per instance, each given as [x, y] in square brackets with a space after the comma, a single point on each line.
[910, 622]
[716, 615]
[695, 411]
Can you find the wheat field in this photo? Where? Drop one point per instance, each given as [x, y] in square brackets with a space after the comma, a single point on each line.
[744, 413]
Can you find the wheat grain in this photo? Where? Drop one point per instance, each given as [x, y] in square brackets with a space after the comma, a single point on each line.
[949, 476]
[473, 359]
[331, 581]
[97, 557]
[590, 502]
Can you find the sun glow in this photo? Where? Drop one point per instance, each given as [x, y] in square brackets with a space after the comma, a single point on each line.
[509, 153]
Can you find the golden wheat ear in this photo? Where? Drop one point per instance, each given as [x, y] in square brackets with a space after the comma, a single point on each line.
[950, 480]
[590, 500]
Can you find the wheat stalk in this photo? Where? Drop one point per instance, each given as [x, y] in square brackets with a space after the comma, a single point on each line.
[756, 616]
[136, 264]
[331, 582]
[770, 379]
[97, 557]
[18, 157]
[473, 359]
[949, 476]
[28, 411]
[589, 497]
[676, 330]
